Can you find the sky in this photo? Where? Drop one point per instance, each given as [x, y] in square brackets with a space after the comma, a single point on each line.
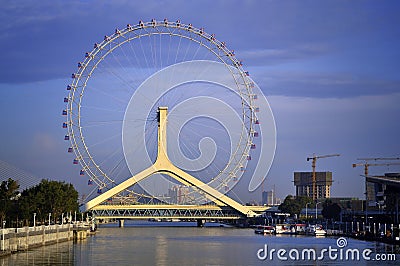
[329, 70]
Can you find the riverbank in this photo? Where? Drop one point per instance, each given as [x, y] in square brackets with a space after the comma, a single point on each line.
[21, 239]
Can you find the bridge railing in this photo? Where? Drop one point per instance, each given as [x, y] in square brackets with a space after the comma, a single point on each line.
[73, 225]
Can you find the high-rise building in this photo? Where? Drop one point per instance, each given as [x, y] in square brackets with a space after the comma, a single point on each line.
[267, 198]
[178, 194]
[304, 184]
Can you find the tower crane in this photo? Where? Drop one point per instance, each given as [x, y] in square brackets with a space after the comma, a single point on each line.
[314, 178]
[367, 165]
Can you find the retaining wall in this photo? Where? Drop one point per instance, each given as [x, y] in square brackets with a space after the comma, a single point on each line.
[16, 239]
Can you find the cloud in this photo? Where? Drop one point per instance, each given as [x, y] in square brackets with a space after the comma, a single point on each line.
[45, 40]
[276, 56]
[320, 84]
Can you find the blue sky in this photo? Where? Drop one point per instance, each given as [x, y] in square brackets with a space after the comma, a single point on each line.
[328, 68]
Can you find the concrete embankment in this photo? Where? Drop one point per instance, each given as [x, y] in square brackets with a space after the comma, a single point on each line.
[17, 239]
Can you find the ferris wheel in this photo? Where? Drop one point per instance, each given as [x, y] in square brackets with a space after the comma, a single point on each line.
[111, 110]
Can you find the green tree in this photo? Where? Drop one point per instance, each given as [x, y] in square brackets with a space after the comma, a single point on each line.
[48, 197]
[8, 196]
[294, 205]
[331, 210]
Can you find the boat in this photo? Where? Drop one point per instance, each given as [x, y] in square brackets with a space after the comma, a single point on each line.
[264, 229]
[283, 229]
[315, 230]
[300, 229]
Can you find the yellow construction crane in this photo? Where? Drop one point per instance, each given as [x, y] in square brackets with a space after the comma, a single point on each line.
[314, 178]
[366, 164]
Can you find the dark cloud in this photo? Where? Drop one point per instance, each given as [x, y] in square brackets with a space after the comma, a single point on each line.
[278, 56]
[44, 40]
[323, 85]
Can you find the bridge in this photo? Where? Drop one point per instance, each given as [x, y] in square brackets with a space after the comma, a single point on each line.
[222, 208]
[171, 211]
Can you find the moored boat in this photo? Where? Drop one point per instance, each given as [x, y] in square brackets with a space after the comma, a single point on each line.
[264, 229]
[315, 230]
[283, 229]
[300, 229]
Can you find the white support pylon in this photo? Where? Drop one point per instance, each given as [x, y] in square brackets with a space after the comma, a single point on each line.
[165, 166]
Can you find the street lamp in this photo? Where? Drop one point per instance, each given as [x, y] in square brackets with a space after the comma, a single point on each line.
[34, 220]
[2, 240]
[306, 209]
[316, 210]
[379, 206]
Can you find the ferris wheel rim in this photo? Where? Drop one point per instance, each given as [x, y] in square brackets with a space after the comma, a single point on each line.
[77, 138]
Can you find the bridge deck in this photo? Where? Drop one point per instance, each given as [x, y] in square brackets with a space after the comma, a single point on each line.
[170, 211]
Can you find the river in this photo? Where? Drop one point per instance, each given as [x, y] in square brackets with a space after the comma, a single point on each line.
[164, 243]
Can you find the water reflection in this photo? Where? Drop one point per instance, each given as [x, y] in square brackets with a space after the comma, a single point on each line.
[161, 247]
[141, 244]
[57, 254]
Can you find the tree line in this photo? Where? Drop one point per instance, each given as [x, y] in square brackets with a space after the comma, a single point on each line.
[331, 210]
[18, 208]
[294, 205]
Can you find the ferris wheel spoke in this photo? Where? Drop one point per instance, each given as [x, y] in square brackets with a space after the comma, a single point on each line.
[107, 159]
[120, 166]
[137, 61]
[197, 50]
[160, 51]
[144, 55]
[110, 95]
[152, 142]
[177, 50]
[187, 50]
[190, 147]
[102, 109]
[152, 53]
[128, 58]
[118, 169]
[125, 85]
[92, 124]
[104, 140]
[169, 48]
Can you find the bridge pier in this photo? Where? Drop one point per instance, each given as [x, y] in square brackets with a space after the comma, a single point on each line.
[200, 222]
[121, 223]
